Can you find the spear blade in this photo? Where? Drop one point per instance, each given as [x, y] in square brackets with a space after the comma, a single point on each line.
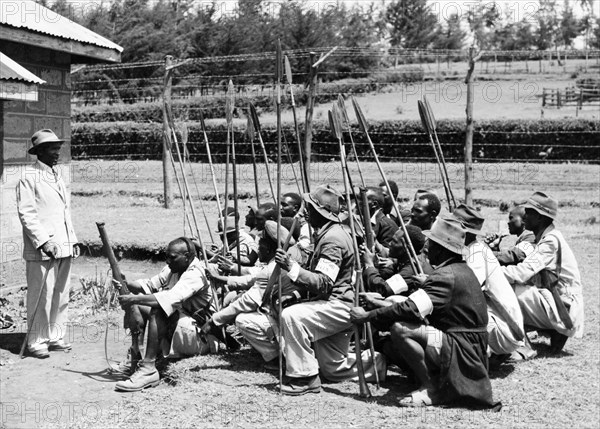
[288, 70]
[254, 116]
[423, 115]
[343, 111]
[229, 103]
[360, 117]
[429, 112]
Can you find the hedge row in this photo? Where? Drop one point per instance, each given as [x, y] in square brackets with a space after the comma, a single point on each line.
[570, 139]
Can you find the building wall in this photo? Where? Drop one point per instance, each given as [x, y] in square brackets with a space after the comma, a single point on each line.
[19, 120]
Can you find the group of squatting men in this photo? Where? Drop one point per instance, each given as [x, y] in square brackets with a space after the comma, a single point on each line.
[471, 306]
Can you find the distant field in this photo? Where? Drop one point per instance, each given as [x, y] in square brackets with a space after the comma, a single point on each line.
[128, 195]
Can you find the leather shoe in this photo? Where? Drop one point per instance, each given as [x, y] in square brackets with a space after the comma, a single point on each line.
[557, 342]
[301, 385]
[145, 376]
[59, 346]
[41, 353]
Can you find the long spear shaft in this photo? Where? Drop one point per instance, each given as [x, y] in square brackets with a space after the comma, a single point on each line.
[289, 157]
[362, 383]
[346, 120]
[431, 120]
[427, 125]
[363, 125]
[256, 122]
[211, 165]
[234, 178]
[278, 73]
[250, 132]
[303, 172]
[186, 155]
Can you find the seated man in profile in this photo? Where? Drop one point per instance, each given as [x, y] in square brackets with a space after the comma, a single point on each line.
[440, 330]
[522, 247]
[169, 302]
[547, 282]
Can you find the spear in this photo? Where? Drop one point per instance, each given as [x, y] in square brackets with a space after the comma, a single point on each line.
[431, 121]
[229, 120]
[250, 133]
[234, 175]
[186, 155]
[364, 126]
[278, 73]
[426, 120]
[256, 122]
[303, 172]
[212, 167]
[336, 130]
[289, 157]
[346, 120]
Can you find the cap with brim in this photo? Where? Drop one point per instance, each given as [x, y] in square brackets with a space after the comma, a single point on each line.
[43, 137]
[449, 234]
[543, 204]
[326, 201]
[271, 232]
[469, 218]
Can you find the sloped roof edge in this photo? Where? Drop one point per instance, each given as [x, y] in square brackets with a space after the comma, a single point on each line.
[26, 14]
[11, 70]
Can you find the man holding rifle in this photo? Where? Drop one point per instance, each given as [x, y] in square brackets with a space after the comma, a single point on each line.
[547, 282]
[49, 240]
[170, 303]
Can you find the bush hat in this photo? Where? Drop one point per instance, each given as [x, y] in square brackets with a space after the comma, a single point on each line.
[449, 233]
[271, 232]
[470, 219]
[543, 204]
[42, 137]
[325, 200]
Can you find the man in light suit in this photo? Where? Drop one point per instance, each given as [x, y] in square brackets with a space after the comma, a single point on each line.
[43, 204]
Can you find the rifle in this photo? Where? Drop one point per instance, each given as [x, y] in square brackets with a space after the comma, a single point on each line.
[133, 318]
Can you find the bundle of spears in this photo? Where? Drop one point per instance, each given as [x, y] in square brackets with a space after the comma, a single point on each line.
[340, 124]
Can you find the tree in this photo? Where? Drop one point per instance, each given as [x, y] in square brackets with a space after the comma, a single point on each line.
[412, 24]
[483, 21]
[595, 39]
[570, 26]
[451, 35]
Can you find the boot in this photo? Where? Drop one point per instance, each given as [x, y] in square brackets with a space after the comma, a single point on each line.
[145, 376]
[301, 385]
[128, 365]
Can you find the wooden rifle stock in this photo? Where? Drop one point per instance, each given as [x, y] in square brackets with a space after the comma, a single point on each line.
[133, 318]
[112, 260]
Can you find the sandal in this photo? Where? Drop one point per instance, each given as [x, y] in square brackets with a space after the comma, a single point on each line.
[419, 398]
[522, 354]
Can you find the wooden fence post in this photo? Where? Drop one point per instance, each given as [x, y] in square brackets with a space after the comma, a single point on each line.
[310, 105]
[469, 128]
[167, 172]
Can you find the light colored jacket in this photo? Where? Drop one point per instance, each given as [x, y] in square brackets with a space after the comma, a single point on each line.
[44, 208]
[569, 281]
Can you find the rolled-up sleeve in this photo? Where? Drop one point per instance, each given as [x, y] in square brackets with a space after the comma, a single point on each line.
[188, 284]
[156, 283]
[542, 257]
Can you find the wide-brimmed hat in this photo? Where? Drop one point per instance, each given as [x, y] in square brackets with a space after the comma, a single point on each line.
[271, 232]
[326, 201]
[43, 137]
[449, 233]
[543, 204]
[470, 219]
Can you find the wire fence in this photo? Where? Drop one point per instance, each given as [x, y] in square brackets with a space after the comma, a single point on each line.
[133, 93]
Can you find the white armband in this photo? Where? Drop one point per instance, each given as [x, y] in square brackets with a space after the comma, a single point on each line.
[294, 272]
[325, 266]
[423, 302]
[397, 284]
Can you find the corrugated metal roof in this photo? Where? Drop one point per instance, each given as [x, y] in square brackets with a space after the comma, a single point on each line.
[34, 17]
[11, 70]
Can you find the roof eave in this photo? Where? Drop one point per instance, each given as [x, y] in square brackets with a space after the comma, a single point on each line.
[84, 51]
